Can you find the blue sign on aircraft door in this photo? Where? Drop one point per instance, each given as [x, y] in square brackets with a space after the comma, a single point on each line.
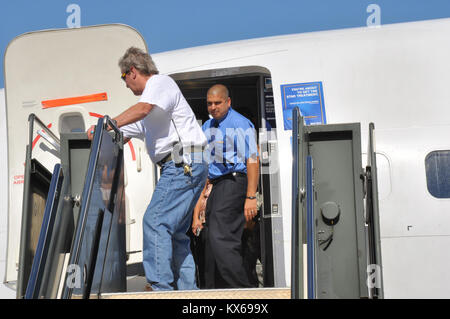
[308, 97]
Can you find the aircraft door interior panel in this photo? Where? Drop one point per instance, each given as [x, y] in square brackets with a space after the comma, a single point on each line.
[333, 201]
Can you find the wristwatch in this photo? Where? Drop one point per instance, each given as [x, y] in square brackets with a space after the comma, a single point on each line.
[251, 197]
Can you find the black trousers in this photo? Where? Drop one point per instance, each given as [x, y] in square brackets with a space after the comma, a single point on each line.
[225, 221]
[251, 242]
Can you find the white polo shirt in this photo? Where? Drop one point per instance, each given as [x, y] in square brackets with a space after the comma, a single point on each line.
[156, 128]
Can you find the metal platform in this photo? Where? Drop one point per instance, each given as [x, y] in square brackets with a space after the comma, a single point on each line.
[255, 293]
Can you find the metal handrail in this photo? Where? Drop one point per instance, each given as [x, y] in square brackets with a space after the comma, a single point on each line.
[32, 118]
[296, 249]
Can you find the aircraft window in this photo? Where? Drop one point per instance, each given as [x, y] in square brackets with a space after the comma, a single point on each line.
[437, 166]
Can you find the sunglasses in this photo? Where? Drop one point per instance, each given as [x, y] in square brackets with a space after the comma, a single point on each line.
[124, 75]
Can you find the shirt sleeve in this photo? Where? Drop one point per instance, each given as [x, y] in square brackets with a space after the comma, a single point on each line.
[160, 92]
[133, 130]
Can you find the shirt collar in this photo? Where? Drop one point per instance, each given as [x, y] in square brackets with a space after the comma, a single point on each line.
[216, 123]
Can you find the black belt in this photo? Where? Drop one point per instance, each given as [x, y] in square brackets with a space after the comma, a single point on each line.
[230, 175]
[168, 157]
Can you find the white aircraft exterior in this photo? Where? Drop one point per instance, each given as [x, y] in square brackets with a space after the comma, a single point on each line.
[5, 292]
[395, 76]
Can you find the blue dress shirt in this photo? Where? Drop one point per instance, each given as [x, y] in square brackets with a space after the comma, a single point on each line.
[231, 142]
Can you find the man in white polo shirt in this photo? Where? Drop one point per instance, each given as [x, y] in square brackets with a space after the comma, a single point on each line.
[174, 141]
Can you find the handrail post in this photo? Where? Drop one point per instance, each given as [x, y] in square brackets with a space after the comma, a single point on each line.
[32, 118]
[297, 219]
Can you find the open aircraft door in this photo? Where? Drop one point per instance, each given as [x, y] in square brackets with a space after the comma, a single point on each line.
[68, 78]
[333, 248]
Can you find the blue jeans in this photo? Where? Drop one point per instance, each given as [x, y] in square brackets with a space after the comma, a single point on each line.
[167, 257]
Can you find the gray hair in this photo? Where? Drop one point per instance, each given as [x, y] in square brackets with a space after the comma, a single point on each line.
[141, 60]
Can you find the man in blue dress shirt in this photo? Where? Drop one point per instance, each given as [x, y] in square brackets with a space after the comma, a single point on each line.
[234, 173]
